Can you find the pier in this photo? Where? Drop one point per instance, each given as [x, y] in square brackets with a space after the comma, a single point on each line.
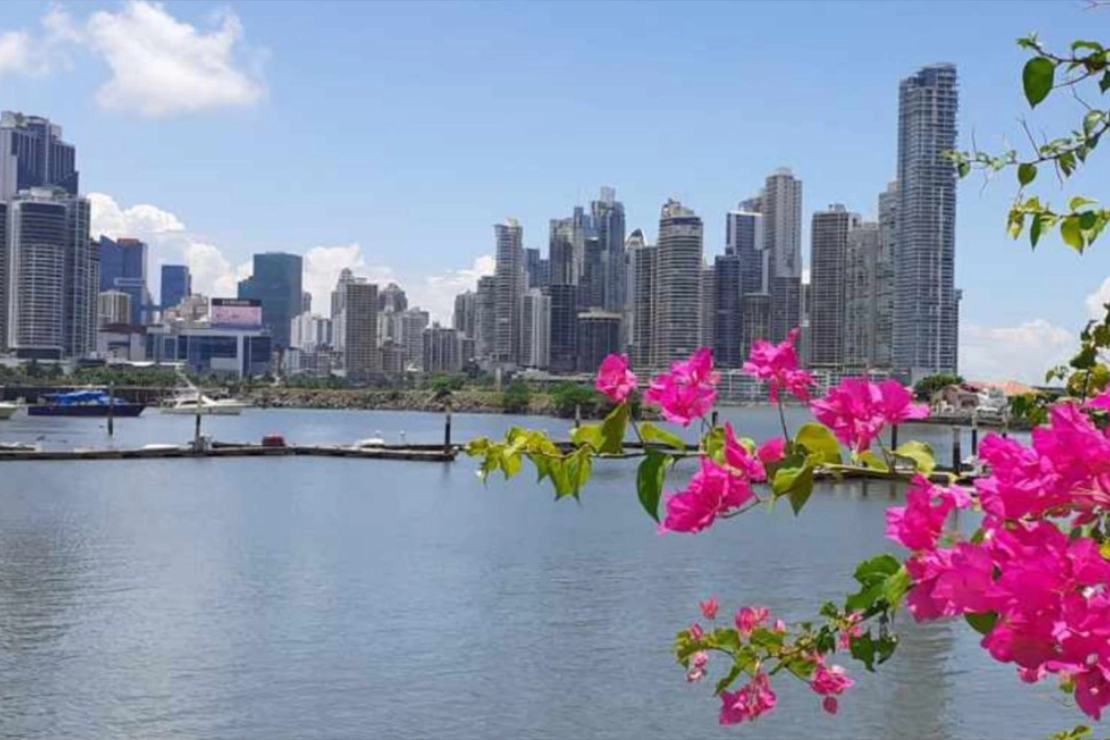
[412, 453]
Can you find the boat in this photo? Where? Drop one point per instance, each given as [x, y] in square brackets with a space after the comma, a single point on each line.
[95, 403]
[7, 409]
[370, 442]
[186, 405]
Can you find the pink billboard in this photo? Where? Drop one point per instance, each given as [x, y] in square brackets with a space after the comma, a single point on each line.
[236, 312]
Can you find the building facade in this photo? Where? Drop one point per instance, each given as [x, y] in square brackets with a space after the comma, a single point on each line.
[781, 203]
[829, 246]
[508, 284]
[177, 285]
[537, 329]
[926, 318]
[643, 344]
[33, 155]
[863, 271]
[564, 328]
[113, 307]
[677, 315]
[123, 264]
[276, 280]
[442, 350]
[227, 352]
[607, 222]
[599, 335]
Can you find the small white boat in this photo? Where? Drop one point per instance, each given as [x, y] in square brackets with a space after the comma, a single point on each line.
[7, 409]
[187, 406]
[370, 442]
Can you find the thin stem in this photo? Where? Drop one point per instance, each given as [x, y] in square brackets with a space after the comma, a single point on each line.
[782, 419]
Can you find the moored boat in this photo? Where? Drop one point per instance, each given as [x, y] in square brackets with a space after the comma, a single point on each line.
[187, 405]
[92, 403]
[7, 409]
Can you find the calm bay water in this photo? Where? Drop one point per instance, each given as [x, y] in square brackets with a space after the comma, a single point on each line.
[315, 598]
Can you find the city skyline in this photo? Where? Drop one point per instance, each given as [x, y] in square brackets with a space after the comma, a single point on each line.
[843, 157]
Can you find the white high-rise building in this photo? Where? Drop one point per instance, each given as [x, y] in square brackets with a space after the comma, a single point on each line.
[677, 319]
[827, 285]
[509, 281]
[781, 205]
[537, 329]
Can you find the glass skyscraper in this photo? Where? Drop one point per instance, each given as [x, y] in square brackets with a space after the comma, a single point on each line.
[177, 284]
[925, 309]
[123, 268]
[276, 280]
[33, 155]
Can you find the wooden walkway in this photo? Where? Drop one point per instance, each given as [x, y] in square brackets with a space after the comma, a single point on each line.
[412, 453]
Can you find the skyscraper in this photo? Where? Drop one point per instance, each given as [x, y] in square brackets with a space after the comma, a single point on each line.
[465, 316]
[567, 248]
[708, 308]
[747, 269]
[632, 246]
[926, 312]
[33, 155]
[592, 283]
[644, 308]
[123, 267]
[677, 318]
[781, 204]
[509, 281]
[827, 279]
[869, 293]
[485, 317]
[442, 350]
[536, 347]
[599, 335]
[564, 328]
[728, 349]
[537, 268]
[177, 284]
[276, 281]
[52, 288]
[392, 299]
[361, 356]
[607, 220]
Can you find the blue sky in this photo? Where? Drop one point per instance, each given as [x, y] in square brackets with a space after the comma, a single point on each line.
[391, 136]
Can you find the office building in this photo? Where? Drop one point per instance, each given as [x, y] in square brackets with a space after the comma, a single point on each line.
[205, 350]
[829, 247]
[360, 329]
[728, 348]
[346, 277]
[123, 265]
[309, 332]
[466, 314]
[607, 224]
[276, 280]
[591, 292]
[537, 329]
[51, 296]
[410, 325]
[395, 359]
[564, 328]
[708, 308]
[113, 307]
[925, 310]
[537, 268]
[599, 335]
[677, 320]
[442, 350]
[508, 285]
[632, 246]
[177, 284]
[306, 302]
[33, 155]
[392, 299]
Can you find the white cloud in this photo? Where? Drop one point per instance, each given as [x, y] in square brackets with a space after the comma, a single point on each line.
[161, 65]
[436, 293]
[1022, 352]
[1095, 301]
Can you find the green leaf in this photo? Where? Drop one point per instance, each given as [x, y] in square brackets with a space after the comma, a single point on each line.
[588, 434]
[801, 490]
[1037, 79]
[884, 648]
[612, 430]
[963, 169]
[1091, 120]
[715, 445]
[649, 481]
[579, 467]
[1026, 173]
[818, 439]
[1104, 82]
[1078, 202]
[795, 481]
[920, 454]
[873, 461]
[1071, 233]
[896, 586]
[728, 680]
[863, 650]
[652, 433]
[982, 623]
[1092, 45]
[1035, 230]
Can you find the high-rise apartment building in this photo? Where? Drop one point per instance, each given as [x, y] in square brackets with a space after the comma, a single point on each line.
[123, 265]
[567, 248]
[361, 357]
[538, 269]
[829, 247]
[411, 324]
[677, 314]
[926, 322]
[632, 246]
[33, 155]
[113, 307]
[592, 282]
[392, 299]
[644, 309]
[465, 315]
[564, 328]
[708, 308]
[345, 278]
[177, 285]
[599, 335]
[781, 204]
[537, 329]
[442, 350]
[51, 293]
[509, 285]
[743, 299]
[276, 280]
[485, 329]
[861, 296]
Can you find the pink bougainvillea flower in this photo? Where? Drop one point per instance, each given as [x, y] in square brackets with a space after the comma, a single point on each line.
[1021, 482]
[614, 379]
[830, 704]
[780, 626]
[777, 365]
[772, 451]
[688, 391]
[709, 607]
[749, 702]
[711, 492]
[857, 410]
[740, 460]
[850, 631]
[748, 618]
[918, 524]
[698, 663]
[696, 631]
[1101, 401]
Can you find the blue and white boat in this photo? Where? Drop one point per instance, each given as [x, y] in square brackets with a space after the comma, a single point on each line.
[94, 403]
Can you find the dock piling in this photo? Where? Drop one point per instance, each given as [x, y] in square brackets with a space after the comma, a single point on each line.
[957, 456]
[447, 432]
[111, 407]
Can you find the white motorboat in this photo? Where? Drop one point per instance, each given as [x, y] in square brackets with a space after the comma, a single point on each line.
[370, 442]
[7, 409]
[188, 406]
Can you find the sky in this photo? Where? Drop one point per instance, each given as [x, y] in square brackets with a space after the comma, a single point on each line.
[390, 137]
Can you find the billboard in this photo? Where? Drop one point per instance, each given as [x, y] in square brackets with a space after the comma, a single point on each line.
[236, 313]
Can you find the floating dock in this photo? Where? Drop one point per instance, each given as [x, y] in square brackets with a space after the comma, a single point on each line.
[412, 453]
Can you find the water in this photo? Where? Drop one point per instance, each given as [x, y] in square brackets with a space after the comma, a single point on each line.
[320, 598]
